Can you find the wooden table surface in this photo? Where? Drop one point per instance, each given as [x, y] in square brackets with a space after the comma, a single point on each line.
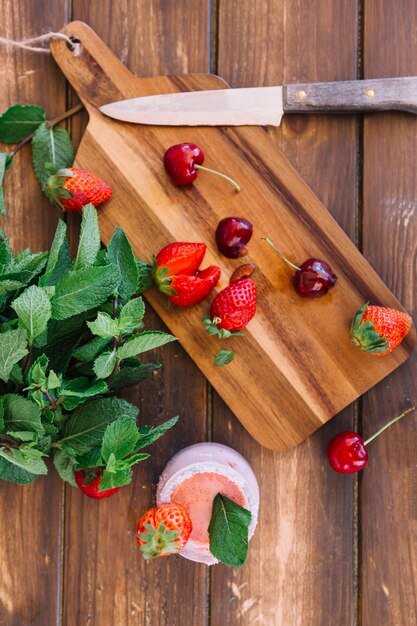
[330, 550]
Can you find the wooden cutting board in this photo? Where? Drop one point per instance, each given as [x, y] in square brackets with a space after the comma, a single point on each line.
[295, 367]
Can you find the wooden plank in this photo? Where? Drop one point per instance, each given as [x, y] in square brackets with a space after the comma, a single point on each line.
[30, 516]
[388, 486]
[300, 568]
[276, 200]
[114, 585]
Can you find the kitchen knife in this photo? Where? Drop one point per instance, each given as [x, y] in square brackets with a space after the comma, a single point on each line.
[266, 105]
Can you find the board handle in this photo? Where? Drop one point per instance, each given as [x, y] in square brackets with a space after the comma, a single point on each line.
[377, 94]
[96, 74]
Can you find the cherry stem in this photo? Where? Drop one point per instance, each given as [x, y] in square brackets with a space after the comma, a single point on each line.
[281, 256]
[375, 435]
[207, 169]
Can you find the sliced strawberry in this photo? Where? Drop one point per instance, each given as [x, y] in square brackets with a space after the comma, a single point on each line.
[192, 289]
[88, 482]
[181, 257]
[234, 307]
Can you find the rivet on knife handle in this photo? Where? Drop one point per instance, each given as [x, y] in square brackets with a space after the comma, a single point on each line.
[365, 95]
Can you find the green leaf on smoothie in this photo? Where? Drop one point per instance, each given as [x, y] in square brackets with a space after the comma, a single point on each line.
[228, 531]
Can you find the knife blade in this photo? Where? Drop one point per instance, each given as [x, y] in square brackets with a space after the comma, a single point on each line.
[265, 105]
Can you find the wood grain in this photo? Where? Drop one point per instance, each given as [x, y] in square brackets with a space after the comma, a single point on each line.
[276, 200]
[115, 586]
[388, 487]
[30, 516]
[367, 95]
[301, 566]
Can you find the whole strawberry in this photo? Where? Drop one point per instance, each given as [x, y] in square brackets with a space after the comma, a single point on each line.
[234, 307]
[88, 482]
[176, 273]
[71, 189]
[378, 330]
[163, 530]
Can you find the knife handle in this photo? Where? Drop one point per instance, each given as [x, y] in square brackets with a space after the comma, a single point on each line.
[377, 94]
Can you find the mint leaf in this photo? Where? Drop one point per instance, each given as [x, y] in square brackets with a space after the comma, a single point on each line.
[90, 350]
[149, 434]
[120, 438]
[120, 253]
[143, 342]
[89, 243]
[17, 472]
[145, 280]
[13, 347]
[84, 429]
[64, 465]
[1, 415]
[33, 309]
[131, 315]
[19, 121]
[6, 286]
[110, 480]
[59, 261]
[228, 531]
[50, 145]
[21, 414]
[82, 388]
[28, 460]
[90, 459]
[104, 364]
[6, 253]
[28, 261]
[131, 375]
[3, 161]
[37, 372]
[223, 357]
[83, 289]
[132, 460]
[104, 326]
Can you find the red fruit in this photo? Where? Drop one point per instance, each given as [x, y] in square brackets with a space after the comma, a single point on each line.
[378, 330]
[183, 161]
[312, 279]
[163, 530]
[233, 235]
[347, 453]
[193, 289]
[234, 307]
[88, 482]
[71, 189]
[176, 273]
[181, 257]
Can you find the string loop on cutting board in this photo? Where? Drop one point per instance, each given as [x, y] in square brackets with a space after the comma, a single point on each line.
[31, 43]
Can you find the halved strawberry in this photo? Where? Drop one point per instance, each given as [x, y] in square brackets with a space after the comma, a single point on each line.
[181, 257]
[378, 330]
[192, 289]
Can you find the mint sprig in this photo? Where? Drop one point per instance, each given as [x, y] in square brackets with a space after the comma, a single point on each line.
[228, 531]
[68, 340]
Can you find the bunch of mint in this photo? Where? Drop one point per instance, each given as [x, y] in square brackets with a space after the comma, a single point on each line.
[70, 335]
[51, 144]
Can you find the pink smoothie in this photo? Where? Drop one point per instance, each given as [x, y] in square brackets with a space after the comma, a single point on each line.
[197, 493]
[193, 478]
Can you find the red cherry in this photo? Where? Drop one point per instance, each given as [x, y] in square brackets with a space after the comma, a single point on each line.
[347, 453]
[183, 161]
[88, 482]
[233, 235]
[312, 279]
